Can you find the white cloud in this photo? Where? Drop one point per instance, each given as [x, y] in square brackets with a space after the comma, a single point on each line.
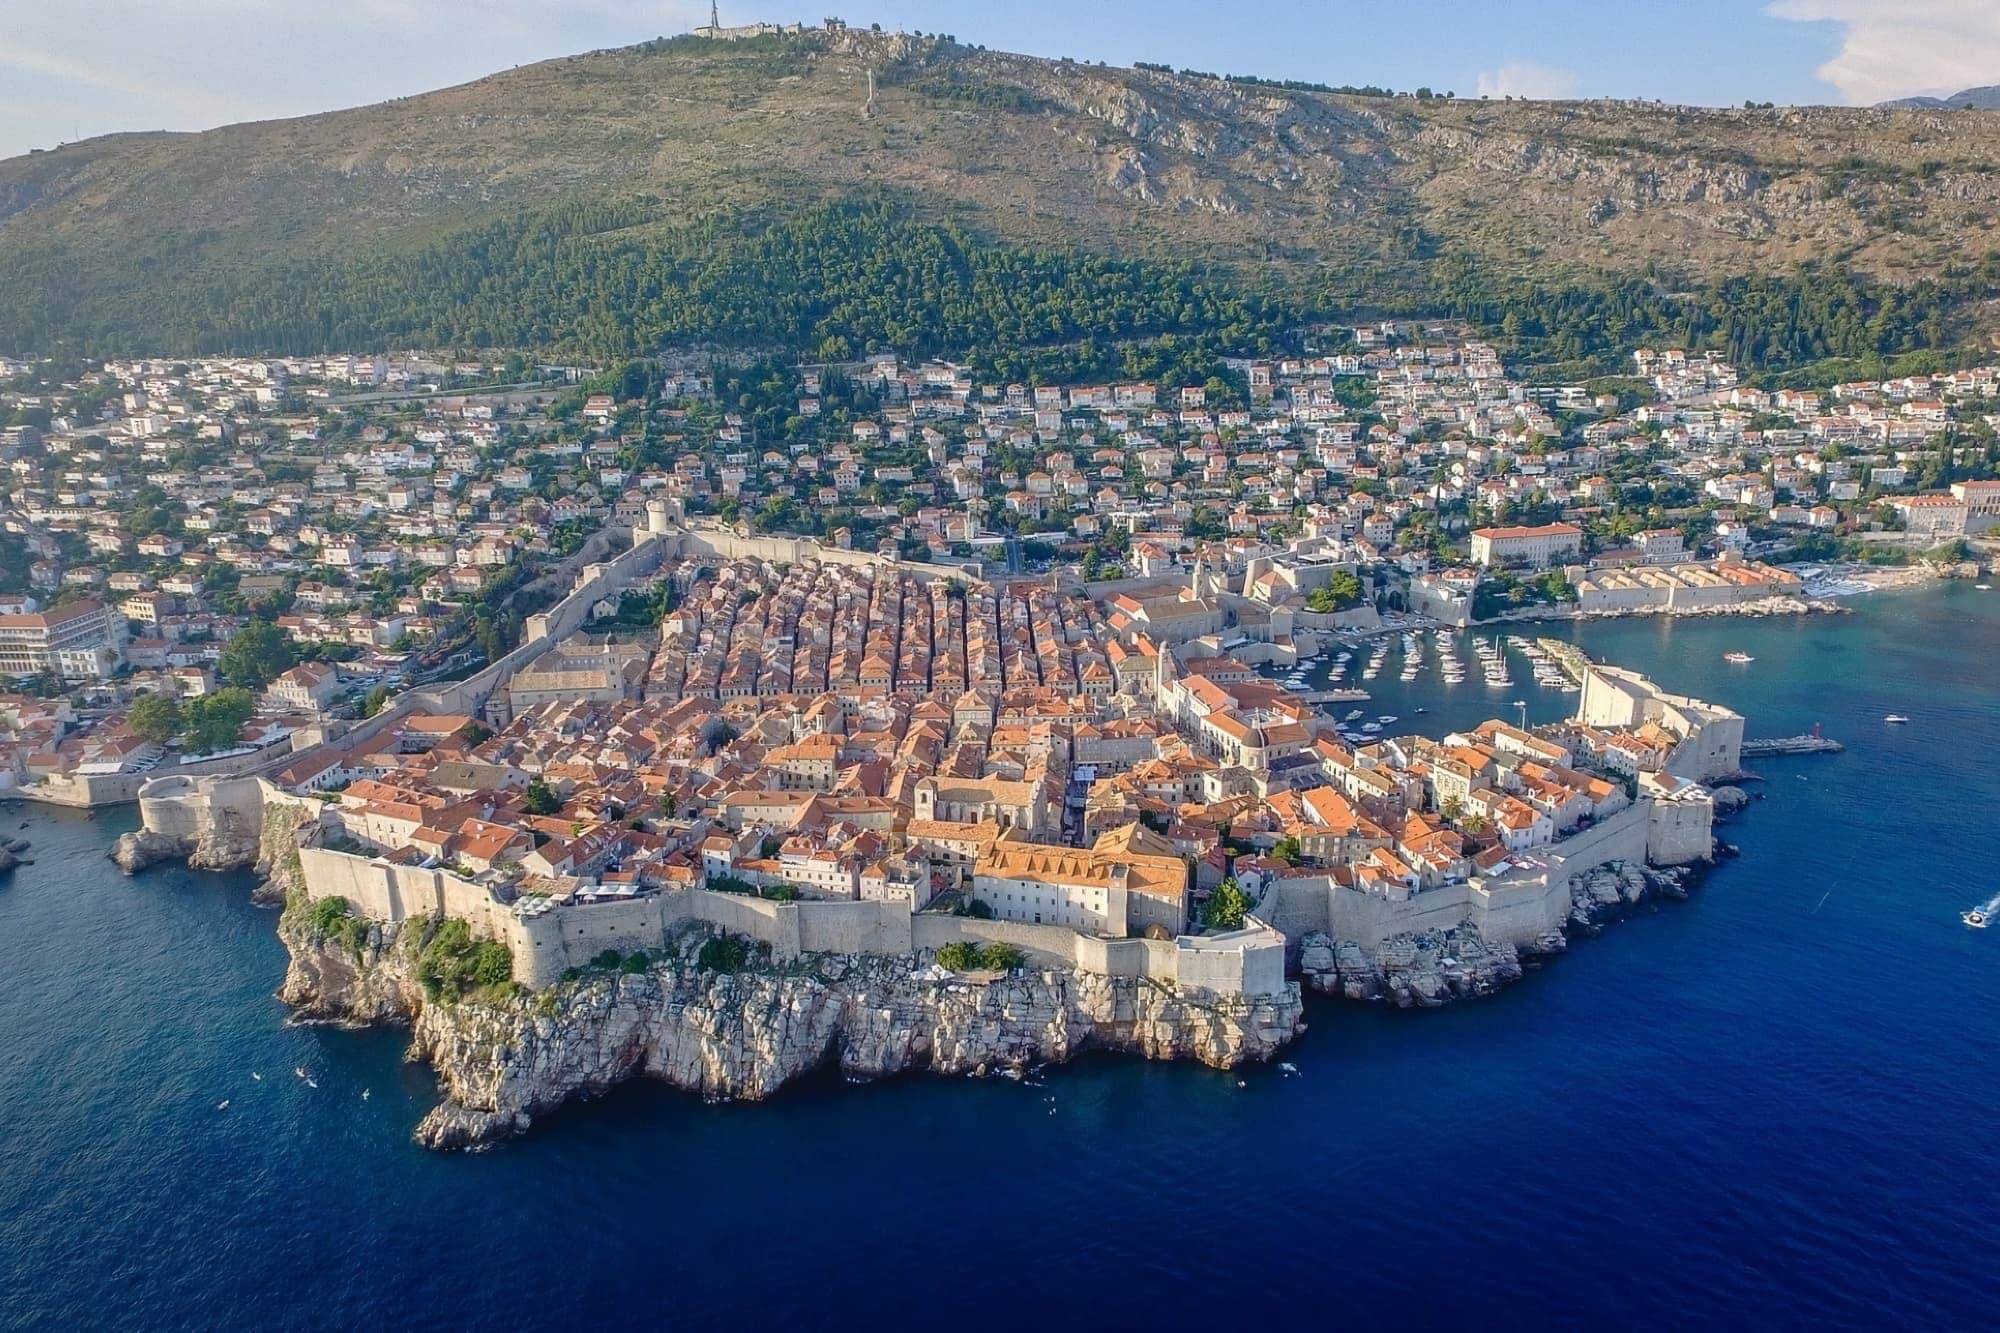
[52, 65]
[1904, 48]
[1524, 78]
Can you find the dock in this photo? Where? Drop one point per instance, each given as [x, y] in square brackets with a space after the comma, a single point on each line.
[1333, 696]
[1778, 745]
[1567, 656]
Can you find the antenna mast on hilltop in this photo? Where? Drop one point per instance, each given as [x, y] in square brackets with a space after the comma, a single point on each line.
[714, 15]
[868, 107]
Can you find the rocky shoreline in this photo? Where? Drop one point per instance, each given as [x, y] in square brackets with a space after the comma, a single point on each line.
[742, 1035]
[1437, 968]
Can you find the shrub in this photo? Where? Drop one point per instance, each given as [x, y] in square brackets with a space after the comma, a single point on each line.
[958, 956]
[1002, 957]
[723, 953]
[964, 956]
[454, 965]
[327, 913]
[634, 963]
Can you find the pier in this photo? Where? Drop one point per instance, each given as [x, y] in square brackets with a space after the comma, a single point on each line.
[1334, 696]
[1811, 743]
[1567, 656]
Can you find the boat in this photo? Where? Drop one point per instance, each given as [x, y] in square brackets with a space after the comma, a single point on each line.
[1351, 716]
[1983, 587]
[1895, 719]
[1386, 718]
[1975, 918]
[222, 1105]
[1738, 657]
[299, 1071]
[1371, 727]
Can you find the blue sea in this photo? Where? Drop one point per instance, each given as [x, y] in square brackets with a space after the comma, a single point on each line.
[1771, 1105]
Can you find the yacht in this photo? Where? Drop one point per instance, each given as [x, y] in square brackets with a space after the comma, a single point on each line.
[1895, 719]
[1975, 918]
[1738, 657]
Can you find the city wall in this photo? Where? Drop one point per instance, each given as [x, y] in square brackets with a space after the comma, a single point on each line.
[546, 941]
[1518, 908]
[89, 790]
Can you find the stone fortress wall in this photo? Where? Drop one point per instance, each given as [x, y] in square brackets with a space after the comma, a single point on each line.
[546, 941]
[241, 816]
[1518, 908]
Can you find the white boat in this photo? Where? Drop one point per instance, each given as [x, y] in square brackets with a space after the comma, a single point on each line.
[299, 1071]
[1386, 718]
[1983, 587]
[222, 1105]
[1371, 727]
[1975, 918]
[1738, 657]
[1895, 719]
[1351, 716]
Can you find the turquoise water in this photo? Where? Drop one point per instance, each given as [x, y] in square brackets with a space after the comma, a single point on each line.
[1773, 1104]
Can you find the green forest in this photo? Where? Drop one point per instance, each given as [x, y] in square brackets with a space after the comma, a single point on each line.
[840, 280]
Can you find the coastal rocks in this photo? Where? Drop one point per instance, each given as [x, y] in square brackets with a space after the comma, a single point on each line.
[1411, 971]
[137, 850]
[743, 1035]
[1729, 800]
[1599, 895]
[1435, 968]
[8, 860]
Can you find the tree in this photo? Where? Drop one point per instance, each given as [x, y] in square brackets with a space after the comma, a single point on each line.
[256, 654]
[215, 721]
[1228, 906]
[376, 700]
[542, 798]
[155, 718]
[1287, 851]
[668, 804]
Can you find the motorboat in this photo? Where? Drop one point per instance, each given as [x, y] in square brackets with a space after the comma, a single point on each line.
[1895, 719]
[1738, 658]
[1975, 918]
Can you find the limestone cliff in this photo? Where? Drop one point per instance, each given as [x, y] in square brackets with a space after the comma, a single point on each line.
[216, 831]
[1437, 967]
[744, 1034]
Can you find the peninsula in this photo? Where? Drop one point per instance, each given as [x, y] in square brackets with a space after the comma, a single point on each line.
[835, 807]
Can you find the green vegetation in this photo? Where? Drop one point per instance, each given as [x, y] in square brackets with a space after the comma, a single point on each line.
[334, 917]
[454, 966]
[256, 655]
[155, 718]
[376, 700]
[964, 956]
[611, 280]
[1228, 906]
[540, 798]
[723, 953]
[1503, 591]
[214, 722]
[1341, 592]
[1766, 323]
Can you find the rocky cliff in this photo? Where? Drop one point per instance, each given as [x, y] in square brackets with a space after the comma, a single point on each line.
[745, 1034]
[1437, 967]
[248, 833]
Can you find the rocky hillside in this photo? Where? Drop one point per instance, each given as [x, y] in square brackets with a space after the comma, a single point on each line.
[168, 240]
[741, 1035]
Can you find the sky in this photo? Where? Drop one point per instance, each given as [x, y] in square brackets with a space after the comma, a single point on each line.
[74, 69]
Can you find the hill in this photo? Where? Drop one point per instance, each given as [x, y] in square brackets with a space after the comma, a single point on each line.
[744, 193]
[1971, 99]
